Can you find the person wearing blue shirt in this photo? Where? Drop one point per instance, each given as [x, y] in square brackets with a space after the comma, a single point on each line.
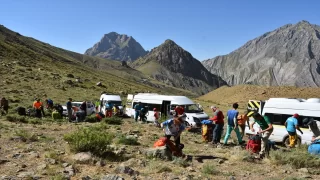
[291, 126]
[108, 112]
[173, 127]
[232, 115]
[137, 109]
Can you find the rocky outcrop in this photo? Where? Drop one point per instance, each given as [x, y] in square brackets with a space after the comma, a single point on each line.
[117, 47]
[289, 55]
[172, 65]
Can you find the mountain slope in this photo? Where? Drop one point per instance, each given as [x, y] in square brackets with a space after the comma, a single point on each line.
[117, 47]
[171, 64]
[30, 68]
[289, 55]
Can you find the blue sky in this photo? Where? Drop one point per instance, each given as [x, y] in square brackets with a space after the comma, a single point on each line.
[205, 28]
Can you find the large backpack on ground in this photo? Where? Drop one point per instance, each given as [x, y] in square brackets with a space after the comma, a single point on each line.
[254, 144]
[314, 148]
[21, 111]
[80, 116]
[56, 115]
[207, 130]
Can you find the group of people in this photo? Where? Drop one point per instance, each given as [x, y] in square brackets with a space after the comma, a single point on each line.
[237, 122]
[38, 107]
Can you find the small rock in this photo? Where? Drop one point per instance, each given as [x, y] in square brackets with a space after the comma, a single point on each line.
[50, 161]
[25, 174]
[306, 177]
[112, 177]
[232, 178]
[111, 166]
[23, 166]
[34, 154]
[17, 156]
[69, 170]
[159, 152]
[99, 84]
[42, 166]
[101, 163]
[191, 169]
[65, 165]
[303, 170]
[83, 157]
[126, 170]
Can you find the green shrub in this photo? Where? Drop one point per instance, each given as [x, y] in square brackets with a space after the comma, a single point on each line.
[26, 136]
[16, 118]
[113, 120]
[127, 140]
[91, 119]
[92, 139]
[297, 158]
[209, 169]
[35, 121]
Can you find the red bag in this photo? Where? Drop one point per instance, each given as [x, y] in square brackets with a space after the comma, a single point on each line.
[254, 144]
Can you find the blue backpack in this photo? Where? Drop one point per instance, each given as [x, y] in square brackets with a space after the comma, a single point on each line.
[50, 101]
[314, 148]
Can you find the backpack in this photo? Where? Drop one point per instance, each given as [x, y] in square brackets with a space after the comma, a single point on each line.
[254, 144]
[314, 148]
[50, 102]
[21, 111]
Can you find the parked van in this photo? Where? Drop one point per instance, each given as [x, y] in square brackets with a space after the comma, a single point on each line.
[113, 99]
[165, 105]
[279, 110]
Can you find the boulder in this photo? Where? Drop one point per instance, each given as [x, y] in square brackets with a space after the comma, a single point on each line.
[159, 152]
[99, 84]
[83, 157]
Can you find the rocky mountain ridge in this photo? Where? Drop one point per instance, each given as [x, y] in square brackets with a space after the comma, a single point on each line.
[171, 64]
[289, 55]
[117, 47]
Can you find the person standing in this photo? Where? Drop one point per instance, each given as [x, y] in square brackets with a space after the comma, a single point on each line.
[266, 129]
[69, 109]
[137, 109]
[97, 104]
[156, 117]
[291, 126]
[37, 105]
[83, 107]
[4, 104]
[219, 123]
[232, 115]
[242, 120]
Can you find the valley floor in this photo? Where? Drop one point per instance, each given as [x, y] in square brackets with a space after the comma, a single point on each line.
[46, 155]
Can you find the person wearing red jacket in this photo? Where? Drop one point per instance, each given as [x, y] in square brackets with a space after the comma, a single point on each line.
[219, 123]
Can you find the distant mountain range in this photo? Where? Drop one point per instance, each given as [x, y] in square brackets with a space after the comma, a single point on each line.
[289, 55]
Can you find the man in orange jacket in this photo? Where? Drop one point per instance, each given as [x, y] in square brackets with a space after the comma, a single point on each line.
[37, 105]
[219, 123]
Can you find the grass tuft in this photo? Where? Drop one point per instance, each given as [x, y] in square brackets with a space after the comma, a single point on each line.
[209, 169]
[93, 139]
[16, 118]
[297, 158]
[26, 136]
[113, 120]
[127, 140]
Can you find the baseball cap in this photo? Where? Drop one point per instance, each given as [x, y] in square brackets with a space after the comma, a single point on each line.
[296, 115]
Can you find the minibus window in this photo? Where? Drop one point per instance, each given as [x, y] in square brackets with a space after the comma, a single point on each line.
[157, 106]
